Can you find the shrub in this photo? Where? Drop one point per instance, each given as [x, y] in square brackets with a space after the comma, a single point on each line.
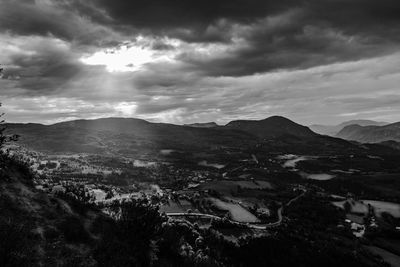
[78, 197]
[131, 239]
[15, 164]
[73, 230]
[5, 138]
[16, 244]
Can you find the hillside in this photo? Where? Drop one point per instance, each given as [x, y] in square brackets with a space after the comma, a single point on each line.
[121, 135]
[371, 134]
[332, 130]
[274, 126]
[64, 228]
[61, 228]
[134, 137]
[38, 229]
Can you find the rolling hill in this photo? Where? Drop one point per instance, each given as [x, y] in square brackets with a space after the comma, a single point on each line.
[122, 136]
[132, 137]
[274, 126]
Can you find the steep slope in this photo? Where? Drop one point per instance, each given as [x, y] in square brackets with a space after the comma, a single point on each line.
[46, 229]
[371, 134]
[274, 126]
[332, 130]
[37, 229]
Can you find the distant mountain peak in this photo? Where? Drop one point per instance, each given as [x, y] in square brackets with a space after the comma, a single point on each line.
[333, 130]
[271, 127]
[202, 125]
[363, 123]
[371, 134]
[277, 117]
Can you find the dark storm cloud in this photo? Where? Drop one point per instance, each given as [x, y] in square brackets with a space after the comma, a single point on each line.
[176, 13]
[273, 34]
[349, 15]
[302, 38]
[191, 21]
[310, 33]
[304, 47]
[52, 19]
[43, 66]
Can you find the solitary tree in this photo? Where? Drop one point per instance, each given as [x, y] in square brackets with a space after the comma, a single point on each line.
[4, 138]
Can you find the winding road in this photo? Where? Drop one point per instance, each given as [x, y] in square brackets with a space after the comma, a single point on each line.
[253, 226]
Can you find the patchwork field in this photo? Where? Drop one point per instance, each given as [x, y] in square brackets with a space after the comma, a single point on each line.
[227, 187]
[392, 259]
[254, 184]
[382, 206]
[237, 212]
[361, 207]
[355, 206]
[317, 176]
[172, 207]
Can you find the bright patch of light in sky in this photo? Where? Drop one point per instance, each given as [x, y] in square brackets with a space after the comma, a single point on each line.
[126, 109]
[135, 55]
[123, 59]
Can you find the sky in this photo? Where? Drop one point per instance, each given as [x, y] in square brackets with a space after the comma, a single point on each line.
[175, 61]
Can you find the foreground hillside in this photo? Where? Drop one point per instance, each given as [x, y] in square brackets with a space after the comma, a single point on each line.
[223, 196]
[64, 229]
[37, 229]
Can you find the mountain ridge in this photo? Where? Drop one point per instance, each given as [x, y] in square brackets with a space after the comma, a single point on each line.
[332, 130]
[135, 137]
[271, 127]
[371, 134]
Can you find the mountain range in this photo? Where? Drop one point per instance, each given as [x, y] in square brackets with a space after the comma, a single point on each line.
[332, 130]
[133, 137]
[371, 134]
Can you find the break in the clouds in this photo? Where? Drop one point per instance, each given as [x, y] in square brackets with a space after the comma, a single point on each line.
[175, 61]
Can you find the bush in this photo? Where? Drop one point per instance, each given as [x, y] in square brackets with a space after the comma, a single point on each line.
[73, 230]
[131, 239]
[78, 197]
[16, 244]
[51, 233]
[14, 164]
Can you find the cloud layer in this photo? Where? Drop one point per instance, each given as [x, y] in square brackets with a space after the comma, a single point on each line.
[183, 61]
